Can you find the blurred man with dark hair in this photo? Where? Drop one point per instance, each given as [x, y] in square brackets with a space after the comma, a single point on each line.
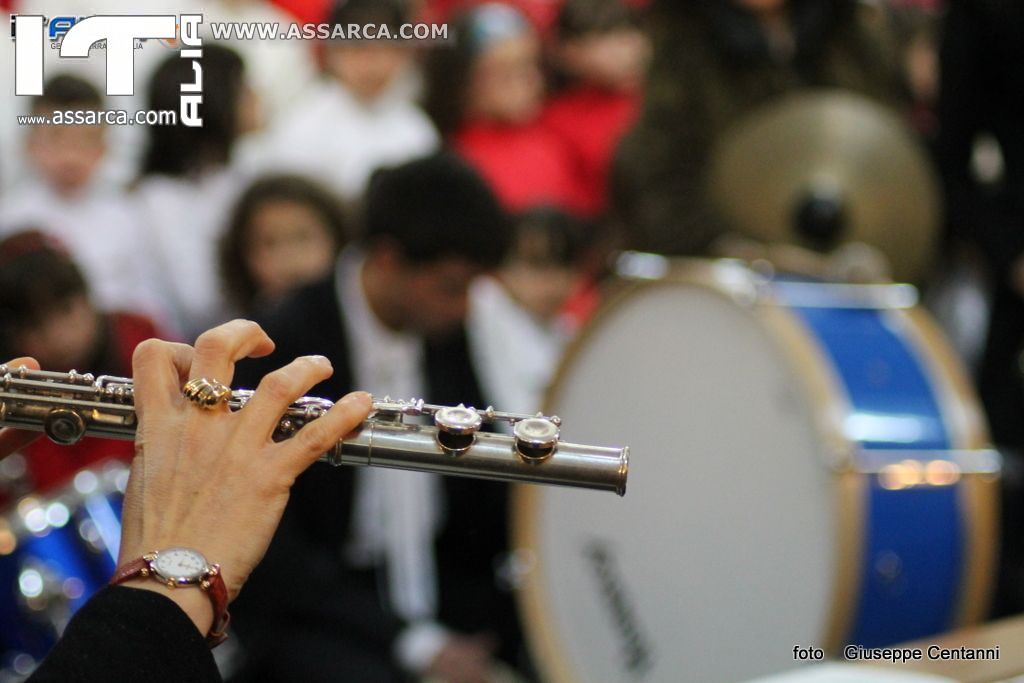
[375, 575]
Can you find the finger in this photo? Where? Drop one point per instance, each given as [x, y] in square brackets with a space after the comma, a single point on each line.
[279, 389]
[23, 362]
[320, 435]
[159, 369]
[12, 439]
[218, 350]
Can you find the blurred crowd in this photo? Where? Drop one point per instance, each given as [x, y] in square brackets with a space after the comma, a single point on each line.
[436, 218]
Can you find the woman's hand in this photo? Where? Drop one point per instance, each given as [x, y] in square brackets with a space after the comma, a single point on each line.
[15, 439]
[214, 480]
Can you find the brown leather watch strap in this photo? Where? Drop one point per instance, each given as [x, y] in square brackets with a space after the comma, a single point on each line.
[137, 567]
[212, 584]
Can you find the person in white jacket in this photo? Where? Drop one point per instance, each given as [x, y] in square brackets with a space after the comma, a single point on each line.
[65, 194]
[361, 115]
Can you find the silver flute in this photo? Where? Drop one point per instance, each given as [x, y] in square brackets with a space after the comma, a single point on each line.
[69, 405]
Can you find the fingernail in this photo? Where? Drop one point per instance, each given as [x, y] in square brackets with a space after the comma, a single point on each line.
[320, 360]
[357, 397]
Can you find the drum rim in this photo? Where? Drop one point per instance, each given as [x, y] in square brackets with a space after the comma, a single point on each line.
[958, 404]
[979, 495]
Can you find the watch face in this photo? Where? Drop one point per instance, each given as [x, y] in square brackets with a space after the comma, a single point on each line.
[181, 564]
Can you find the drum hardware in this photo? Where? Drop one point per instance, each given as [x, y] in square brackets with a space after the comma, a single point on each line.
[899, 469]
[825, 168]
[641, 265]
[821, 217]
[68, 406]
[758, 282]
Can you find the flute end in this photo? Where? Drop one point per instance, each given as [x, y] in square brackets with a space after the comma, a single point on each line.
[623, 471]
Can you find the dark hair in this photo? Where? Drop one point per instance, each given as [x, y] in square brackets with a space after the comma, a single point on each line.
[391, 13]
[448, 67]
[548, 235]
[67, 92]
[180, 150]
[37, 275]
[238, 280]
[579, 18]
[740, 39]
[435, 208]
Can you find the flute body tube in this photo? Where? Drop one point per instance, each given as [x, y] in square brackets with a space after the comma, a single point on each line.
[68, 406]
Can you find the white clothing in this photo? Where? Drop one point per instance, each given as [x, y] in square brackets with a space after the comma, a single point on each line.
[124, 142]
[340, 141]
[514, 353]
[278, 70]
[397, 513]
[100, 230]
[183, 221]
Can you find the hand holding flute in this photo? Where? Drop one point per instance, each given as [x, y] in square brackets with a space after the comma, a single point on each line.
[207, 482]
[214, 468]
[68, 406]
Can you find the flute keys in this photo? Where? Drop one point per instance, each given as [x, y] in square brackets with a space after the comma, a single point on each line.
[64, 426]
[536, 438]
[457, 427]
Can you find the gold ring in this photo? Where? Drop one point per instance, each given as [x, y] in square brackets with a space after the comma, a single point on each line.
[206, 393]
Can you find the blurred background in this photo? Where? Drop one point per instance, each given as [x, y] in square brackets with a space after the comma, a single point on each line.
[415, 208]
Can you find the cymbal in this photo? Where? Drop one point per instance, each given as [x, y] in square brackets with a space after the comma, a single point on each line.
[826, 168]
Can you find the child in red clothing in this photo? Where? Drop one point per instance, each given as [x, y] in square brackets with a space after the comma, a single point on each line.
[601, 54]
[45, 312]
[485, 95]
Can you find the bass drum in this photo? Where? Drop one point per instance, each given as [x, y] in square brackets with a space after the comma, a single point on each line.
[809, 469]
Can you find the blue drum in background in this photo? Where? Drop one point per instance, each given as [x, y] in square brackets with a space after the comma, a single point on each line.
[56, 550]
[809, 468]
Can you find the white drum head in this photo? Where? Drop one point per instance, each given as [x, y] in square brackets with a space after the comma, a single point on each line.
[720, 558]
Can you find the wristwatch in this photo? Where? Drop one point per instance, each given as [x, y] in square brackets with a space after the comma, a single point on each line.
[184, 567]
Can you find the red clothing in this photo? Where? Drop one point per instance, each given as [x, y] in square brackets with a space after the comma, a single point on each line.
[590, 122]
[50, 465]
[541, 13]
[306, 11]
[526, 165]
[581, 304]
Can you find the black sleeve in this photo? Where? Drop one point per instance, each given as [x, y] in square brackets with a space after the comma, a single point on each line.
[129, 634]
